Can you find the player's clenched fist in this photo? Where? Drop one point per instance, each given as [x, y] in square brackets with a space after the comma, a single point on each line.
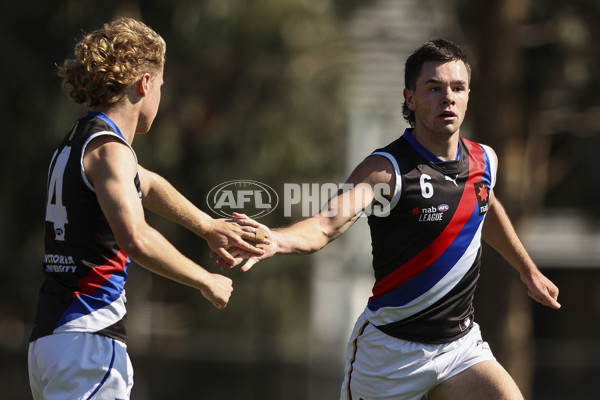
[218, 290]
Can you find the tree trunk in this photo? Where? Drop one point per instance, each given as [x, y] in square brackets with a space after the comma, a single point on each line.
[500, 120]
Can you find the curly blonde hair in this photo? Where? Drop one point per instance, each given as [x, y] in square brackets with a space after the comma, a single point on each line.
[110, 60]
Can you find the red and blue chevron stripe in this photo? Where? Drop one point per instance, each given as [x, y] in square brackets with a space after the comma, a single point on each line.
[101, 287]
[427, 268]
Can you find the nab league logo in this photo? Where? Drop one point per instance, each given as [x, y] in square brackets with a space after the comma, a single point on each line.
[482, 190]
[431, 214]
[252, 198]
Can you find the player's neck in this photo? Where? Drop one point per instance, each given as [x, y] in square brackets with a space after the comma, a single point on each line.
[122, 117]
[444, 146]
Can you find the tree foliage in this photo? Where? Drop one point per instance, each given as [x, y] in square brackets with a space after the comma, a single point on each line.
[252, 91]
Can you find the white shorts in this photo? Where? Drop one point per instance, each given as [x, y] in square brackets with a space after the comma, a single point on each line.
[379, 366]
[79, 366]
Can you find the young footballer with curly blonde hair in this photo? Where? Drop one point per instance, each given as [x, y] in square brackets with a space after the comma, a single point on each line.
[95, 221]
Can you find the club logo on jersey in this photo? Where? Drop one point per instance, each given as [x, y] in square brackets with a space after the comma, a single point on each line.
[431, 214]
[482, 190]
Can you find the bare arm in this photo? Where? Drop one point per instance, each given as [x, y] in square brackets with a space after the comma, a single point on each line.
[499, 232]
[111, 168]
[371, 178]
[312, 234]
[160, 197]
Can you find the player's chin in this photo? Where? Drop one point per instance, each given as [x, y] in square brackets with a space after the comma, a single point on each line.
[448, 129]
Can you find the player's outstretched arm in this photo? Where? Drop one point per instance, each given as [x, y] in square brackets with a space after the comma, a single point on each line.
[499, 232]
[371, 180]
[303, 237]
[222, 235]
[111, 168]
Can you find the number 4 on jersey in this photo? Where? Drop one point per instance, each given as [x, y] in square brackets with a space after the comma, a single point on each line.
[56, 212]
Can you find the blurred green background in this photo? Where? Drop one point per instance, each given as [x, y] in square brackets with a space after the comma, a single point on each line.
[295, 91]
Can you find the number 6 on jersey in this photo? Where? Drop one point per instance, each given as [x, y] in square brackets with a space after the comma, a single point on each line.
[426, 187]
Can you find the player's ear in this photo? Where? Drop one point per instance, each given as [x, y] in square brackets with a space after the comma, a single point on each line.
[409, 98]
[143, 85]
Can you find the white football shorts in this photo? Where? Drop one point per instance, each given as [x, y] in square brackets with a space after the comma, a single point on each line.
[79, 366]
[379, 366]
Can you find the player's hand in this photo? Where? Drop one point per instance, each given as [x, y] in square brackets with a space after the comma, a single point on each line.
[269, 247]
[251, 259]
[541, 289]
[244, 233]
[218, 290]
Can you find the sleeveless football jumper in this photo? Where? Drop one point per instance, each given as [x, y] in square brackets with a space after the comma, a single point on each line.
[427, 251]
[84, 269]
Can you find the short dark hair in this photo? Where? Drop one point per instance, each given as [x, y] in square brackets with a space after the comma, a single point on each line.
[434, 50]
